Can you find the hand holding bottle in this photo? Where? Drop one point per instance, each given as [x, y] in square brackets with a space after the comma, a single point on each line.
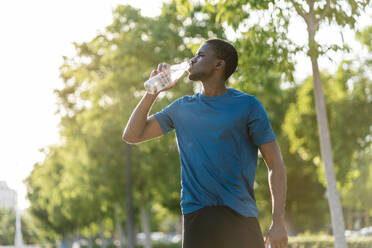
[165, 77]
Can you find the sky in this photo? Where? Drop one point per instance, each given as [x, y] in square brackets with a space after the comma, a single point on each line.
[34, 35]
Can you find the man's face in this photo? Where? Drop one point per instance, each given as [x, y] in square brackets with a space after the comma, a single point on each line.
[203, 64]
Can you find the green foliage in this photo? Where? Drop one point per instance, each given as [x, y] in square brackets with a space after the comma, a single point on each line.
[344, 13]
[78, 185]
[8, 227]
[82, 179]
[264, 64]
[347, 107]
[166, 245]
[29, 229]
[342, 101]
[52, 193]
[358, 187]
[365, 36]
[326, 242]
[232, 12]
[261, 71]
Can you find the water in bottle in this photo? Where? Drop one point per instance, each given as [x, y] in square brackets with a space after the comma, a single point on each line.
[165, 78]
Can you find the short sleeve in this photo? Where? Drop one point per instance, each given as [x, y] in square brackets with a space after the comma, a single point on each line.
[166, 116]
[259, 127]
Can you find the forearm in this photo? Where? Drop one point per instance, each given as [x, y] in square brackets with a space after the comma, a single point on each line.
[277, 235]
[278, 188]
[137, 121]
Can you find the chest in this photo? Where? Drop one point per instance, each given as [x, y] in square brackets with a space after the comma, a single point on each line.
[213, 118]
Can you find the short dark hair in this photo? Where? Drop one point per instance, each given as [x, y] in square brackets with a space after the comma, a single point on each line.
[224, 50]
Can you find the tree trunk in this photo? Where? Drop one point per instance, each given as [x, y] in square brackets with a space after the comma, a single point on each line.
[337, 218]
[350, 220]
[66, 241]
[179, 225]
[18, 240]
[102, 235]
[366, 218]
[130, 218]
[358, 220]
[333, 194]
[119, 229]
[146, 226]
[90, 242]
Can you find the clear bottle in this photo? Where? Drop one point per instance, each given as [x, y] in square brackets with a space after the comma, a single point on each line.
[165, 78]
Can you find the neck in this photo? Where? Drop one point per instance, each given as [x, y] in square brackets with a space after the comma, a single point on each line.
[214, 87]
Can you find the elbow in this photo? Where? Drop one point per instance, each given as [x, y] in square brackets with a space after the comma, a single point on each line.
[130, 140]
[126, 140]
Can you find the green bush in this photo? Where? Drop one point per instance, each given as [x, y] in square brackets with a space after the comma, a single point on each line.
[327, 242]
[163, 245]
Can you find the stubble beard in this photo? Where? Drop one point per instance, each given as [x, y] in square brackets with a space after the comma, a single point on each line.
[196, 76]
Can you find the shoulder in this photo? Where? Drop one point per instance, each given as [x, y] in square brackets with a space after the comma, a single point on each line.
[249, 104]
[187, 99]
[179, 102]
[245, 98]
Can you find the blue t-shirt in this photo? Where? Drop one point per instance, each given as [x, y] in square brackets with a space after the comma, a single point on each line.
[218, 139]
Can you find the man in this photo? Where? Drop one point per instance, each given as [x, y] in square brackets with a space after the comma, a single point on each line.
[219, 132]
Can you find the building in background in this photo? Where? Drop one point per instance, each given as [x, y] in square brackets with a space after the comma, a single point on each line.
[8, 196]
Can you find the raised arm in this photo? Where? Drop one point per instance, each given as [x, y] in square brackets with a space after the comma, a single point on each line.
[140, 126]
[277, 235]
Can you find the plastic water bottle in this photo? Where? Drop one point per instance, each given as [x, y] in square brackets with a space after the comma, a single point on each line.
[165, 78]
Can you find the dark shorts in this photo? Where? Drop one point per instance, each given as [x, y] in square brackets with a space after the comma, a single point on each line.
[220, 227]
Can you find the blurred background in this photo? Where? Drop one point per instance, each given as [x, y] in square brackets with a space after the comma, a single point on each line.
[71, 72]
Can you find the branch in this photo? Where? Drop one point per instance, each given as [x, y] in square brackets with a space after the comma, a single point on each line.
[324, 12]
[311, 5]
[299, 10]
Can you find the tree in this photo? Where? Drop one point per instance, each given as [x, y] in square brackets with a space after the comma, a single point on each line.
[8, 227]
[102, 84]
[345, 92]
[333, 12]
[7, 224]
[358, 201]
[264, 63]
[313, 12]
[57, 205]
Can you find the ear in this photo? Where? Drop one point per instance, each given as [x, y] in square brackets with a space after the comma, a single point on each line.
[220, 64]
